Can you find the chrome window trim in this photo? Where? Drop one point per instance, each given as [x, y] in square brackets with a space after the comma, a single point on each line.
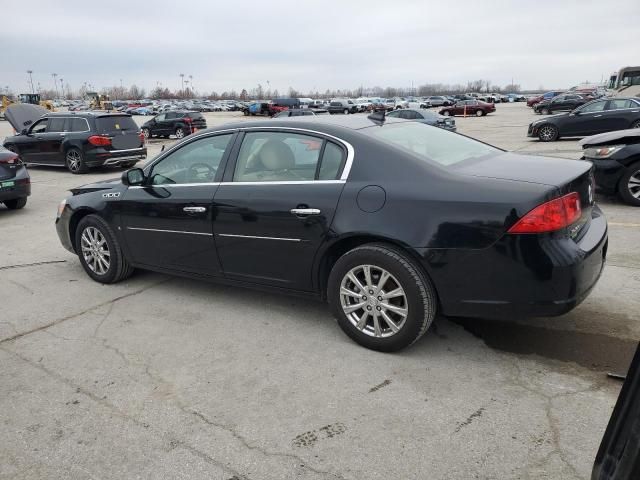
[215, 184]
[74, 131]
[254, 237]
[194, 137]
[169, 231]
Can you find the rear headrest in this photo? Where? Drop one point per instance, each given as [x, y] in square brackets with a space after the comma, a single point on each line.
[276, 155]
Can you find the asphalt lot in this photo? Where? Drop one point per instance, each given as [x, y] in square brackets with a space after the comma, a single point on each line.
[160, 377]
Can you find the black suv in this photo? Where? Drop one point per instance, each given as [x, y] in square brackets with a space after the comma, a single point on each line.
[178, 123]
[561, 103]
[80, 141]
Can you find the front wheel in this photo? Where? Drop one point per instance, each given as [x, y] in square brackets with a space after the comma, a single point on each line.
[346, 111]
[74, 160]
[629, 186]
[99, 251]
[548, 133]
[16, 203]
[446, 113]
[545, 111]
[380, 298]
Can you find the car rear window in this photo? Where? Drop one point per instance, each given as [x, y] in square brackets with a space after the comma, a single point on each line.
[115, 123]
[429, 143]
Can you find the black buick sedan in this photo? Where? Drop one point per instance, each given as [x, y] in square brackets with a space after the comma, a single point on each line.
[390, 221]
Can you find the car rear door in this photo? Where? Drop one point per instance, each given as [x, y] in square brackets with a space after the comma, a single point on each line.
[620, 113]
[276, 205]
[585, 120]
[167, 222]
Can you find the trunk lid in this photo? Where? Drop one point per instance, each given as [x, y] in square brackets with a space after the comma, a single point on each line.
[124, 132]
[563, 176]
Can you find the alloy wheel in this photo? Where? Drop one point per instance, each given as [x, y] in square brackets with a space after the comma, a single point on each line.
[179, 133]
[633, 185]
[374, 301]
[74, 160]
[95, 250]
[547, 133]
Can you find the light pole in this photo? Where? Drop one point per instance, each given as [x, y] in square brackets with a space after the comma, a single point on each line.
[62, 87]
[191, 80]
[31, 80]
[185, 92]
[182, 79]
[55, 83]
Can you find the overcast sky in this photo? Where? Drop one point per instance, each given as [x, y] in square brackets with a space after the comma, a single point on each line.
[316, 44]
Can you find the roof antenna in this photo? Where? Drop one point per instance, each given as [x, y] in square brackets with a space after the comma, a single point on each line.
[378, 116]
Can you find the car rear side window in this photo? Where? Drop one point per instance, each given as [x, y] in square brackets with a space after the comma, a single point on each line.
[194, 115]
[78, 125]
[111, 124]
[56, 124]
[620, 104]
[431, 144]
[332, 161]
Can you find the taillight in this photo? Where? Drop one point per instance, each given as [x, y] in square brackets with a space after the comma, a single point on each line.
[187, 119]
[12, 159]
[99, 140]
[550, 216]
[141, 135]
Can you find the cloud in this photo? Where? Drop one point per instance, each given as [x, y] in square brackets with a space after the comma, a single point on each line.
[317, 44]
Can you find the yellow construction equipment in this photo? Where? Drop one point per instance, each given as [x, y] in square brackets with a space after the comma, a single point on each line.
[99, 102]
[3, 106]
[34, 99]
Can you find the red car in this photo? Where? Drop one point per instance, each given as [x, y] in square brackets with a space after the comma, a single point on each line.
[469, 107]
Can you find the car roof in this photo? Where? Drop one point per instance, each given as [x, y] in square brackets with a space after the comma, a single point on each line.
[87, 114]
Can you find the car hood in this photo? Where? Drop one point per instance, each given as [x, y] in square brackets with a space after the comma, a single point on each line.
[525, 168]
[549, 117]
[97, 186]
[609, 137]
[23, 115]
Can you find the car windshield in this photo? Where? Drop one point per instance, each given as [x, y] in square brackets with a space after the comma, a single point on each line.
[115, 123]
[429, 143]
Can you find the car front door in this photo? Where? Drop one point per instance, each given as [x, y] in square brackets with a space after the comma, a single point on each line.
[167, 221]
[50, 141]
[584, 120]
[275, 207]
[29, 146]
[156, 126]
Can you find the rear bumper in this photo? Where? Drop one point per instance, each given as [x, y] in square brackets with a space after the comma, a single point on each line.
[18, 186]
[99, 156]
[521, 275]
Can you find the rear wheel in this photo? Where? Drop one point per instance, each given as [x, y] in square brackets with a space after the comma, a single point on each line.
[636, 124]
[629, 186]
[446, 113]
[147, 133]
[127, 165]
[548, 133]
[74, 161]
[479, 113]
[179, 132]
[346, 111]
[99, 251]
[380, 298]
[16, 203]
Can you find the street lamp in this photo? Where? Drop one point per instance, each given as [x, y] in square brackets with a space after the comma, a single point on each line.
[182, 78]
[31, 79]
[62, 87]
[55, 83]
[191, 80]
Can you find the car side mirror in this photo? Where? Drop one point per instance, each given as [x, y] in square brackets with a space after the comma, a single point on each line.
[576, 112]
[133, 177]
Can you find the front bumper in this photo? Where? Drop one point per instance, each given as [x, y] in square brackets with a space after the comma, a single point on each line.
[63, 230]
[533, 130]
[607, 173]
[99, 156]
[521, 275]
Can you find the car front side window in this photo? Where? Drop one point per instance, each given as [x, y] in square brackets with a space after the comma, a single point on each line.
[593, 107]
[196, 162]
[40, 126]
[277, 157]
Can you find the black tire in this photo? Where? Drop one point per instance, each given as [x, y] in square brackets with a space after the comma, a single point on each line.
[16, 203]
[180, 133]
[629, 186]
[420, 296]
[545, 111]
[548, 133]
[479, 113]
[346, 111]
[74, 161]
[446, 113]
[147, 133]
[636, 124]
[119, 268]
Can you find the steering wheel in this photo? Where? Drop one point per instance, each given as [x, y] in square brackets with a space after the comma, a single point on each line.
[201, 172]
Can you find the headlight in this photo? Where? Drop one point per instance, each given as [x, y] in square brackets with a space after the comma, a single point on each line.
[63, 203]
[602, 152]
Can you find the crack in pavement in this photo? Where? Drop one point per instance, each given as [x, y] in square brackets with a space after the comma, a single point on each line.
[116, 411]
[86, 310]
[35, 264]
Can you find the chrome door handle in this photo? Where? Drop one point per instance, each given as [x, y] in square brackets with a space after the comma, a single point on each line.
[596, 116]
[194, 209]
[305, 211]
